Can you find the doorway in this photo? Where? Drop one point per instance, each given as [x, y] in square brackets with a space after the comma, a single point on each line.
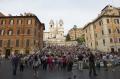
[112, 50]
[7, 53]
[27, 52]
[16, 51]
[119, 50]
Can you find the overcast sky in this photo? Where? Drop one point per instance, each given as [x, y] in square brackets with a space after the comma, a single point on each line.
[72, 12]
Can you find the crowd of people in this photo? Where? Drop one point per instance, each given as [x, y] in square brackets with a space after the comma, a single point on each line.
[62, 58]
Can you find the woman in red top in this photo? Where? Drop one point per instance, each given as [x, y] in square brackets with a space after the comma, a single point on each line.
[50, 58]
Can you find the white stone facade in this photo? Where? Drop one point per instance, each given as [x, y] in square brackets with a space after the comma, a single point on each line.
[56, 32]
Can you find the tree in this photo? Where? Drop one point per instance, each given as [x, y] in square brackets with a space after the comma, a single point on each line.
[80, 40]
[68, 37]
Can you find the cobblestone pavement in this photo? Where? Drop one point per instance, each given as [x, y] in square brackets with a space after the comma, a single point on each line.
[6, 73]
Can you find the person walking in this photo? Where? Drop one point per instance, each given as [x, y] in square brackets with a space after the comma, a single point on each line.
[105, 59]
[21, 64]
[69, 62]
[50, 63]
[80, 62]
[35, 65]
[15, 61]
[64, 63]
[44, 62]
[92, 64]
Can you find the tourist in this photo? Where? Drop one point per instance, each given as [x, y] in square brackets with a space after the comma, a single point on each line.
[80, 62]
[15, 61]
[69, 62]
[44, 62]
[64, 63]
[35, 65]
[21, 64]
[105, 61]
[92, 64]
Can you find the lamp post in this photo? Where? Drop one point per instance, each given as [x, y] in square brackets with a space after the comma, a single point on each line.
[75, 28]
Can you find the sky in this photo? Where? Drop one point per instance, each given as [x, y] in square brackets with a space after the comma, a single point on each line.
[72, 12]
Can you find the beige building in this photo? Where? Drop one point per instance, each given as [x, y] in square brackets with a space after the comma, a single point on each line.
[20, 34]
[75, 33]
[104, 32]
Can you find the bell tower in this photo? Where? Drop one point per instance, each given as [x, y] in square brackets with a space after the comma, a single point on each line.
[61, 29]
[51, 24]
[51, 29]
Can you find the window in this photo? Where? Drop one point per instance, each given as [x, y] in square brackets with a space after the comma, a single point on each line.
[61, 34]
[102, 32]
[19, 21]
[35, 32]
[34, 42]
[11, 22]
[116, 21]
[86, 30]
[96, 35]
[29, 21]
[18, 32]
[118, 49]
[3, 22]
[28, 31]
[111, 40]
[51, 26]
[118, 30]
[27, 43]
[87, 38]
[10, 32]
[23, 31]
[109, 30]
[119, 40]
[60, 24]
[115, 40]
[97, 43]
[2, 32]
[107, 20]
[100, 22]
[1, 43]
[104, 42]
[8, 43]
[95, 26]
[17, 43]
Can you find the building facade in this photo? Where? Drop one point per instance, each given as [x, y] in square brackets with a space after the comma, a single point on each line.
[103, 33]
[55, 34]
[75, 33]
[20, 34]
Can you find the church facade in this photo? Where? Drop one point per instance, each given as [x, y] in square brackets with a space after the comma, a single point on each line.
[55, 34]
